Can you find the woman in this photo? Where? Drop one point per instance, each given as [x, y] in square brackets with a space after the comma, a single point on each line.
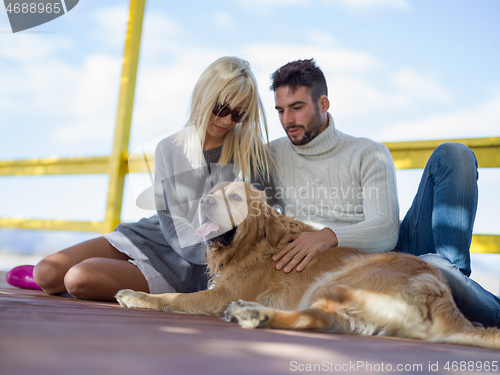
[162, 253]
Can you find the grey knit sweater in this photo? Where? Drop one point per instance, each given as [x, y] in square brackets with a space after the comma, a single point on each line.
[341, 182]
[168, 238]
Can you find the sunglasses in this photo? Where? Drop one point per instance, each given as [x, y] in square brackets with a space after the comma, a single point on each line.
[223, 111]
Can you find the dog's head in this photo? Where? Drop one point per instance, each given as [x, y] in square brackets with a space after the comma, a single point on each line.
[236, 215]
[240, 228]
[224, 209]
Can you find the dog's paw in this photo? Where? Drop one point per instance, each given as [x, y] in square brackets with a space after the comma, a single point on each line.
[248, 314]
[130, 299]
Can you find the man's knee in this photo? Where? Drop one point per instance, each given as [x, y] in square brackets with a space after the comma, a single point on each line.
[456, 158]
[452, 274]
[457, 152]
[437, 260]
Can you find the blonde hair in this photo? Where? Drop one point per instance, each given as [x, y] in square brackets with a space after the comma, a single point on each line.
[230, 81]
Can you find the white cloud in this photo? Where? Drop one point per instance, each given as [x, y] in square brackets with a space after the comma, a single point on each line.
[368, 5]
[92, 130]
[365, 94]
[163, 92]
[420, 87]
[76, 104]
[110, 24]
[265, 58]
[275, 2]
[351, 96]
[223, 20]
[273, 55]
[80, 102]
[96, 85]
[320, 37]
[161, 36]
[25, 48]
[344, 69]
[266, 6]
[482, 120]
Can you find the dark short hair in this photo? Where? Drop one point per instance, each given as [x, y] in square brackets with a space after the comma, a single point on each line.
[301, 73]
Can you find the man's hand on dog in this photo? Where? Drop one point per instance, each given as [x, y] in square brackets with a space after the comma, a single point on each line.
[303, 248]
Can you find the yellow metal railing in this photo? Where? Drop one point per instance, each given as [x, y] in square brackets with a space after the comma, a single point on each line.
[116, 166]
[406, 155]
[65, 166]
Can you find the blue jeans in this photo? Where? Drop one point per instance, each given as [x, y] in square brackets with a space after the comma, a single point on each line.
[438, 227]
[476, 303]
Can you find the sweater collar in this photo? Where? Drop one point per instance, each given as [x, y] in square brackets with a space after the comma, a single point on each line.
[323, 142]
[213, 155]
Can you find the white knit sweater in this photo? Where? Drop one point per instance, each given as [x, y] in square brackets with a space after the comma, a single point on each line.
[338, 181]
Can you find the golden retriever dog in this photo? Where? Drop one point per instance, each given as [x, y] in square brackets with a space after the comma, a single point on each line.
[341, 290]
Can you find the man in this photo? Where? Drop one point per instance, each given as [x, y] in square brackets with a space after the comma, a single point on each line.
[346, 186]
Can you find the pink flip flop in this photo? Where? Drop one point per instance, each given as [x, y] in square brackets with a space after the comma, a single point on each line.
[22, 277]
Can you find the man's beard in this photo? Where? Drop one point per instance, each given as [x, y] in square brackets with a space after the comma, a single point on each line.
[311, 130]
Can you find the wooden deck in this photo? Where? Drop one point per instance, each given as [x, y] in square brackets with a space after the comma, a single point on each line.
[50, 335]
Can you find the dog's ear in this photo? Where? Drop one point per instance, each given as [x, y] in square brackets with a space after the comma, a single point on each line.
[273, 226]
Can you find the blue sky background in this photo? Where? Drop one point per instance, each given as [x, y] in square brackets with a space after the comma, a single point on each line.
[397, 70]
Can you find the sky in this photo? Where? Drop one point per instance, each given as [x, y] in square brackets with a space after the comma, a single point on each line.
[397, 70]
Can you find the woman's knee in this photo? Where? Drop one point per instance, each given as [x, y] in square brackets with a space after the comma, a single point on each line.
[79, 281]
[49, 275]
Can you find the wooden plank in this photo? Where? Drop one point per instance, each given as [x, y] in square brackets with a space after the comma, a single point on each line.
[47, 335]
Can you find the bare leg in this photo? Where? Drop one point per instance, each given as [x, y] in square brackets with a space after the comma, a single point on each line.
[93, 269]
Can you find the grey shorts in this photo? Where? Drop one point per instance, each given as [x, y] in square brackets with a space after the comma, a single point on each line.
[156, 282]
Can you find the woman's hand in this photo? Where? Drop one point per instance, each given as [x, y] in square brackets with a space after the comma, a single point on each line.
[303, 248]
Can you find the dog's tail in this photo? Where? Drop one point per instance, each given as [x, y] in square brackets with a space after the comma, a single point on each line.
[452, 327]
[487, 338]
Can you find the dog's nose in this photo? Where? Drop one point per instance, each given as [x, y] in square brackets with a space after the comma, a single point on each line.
[208, 200]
